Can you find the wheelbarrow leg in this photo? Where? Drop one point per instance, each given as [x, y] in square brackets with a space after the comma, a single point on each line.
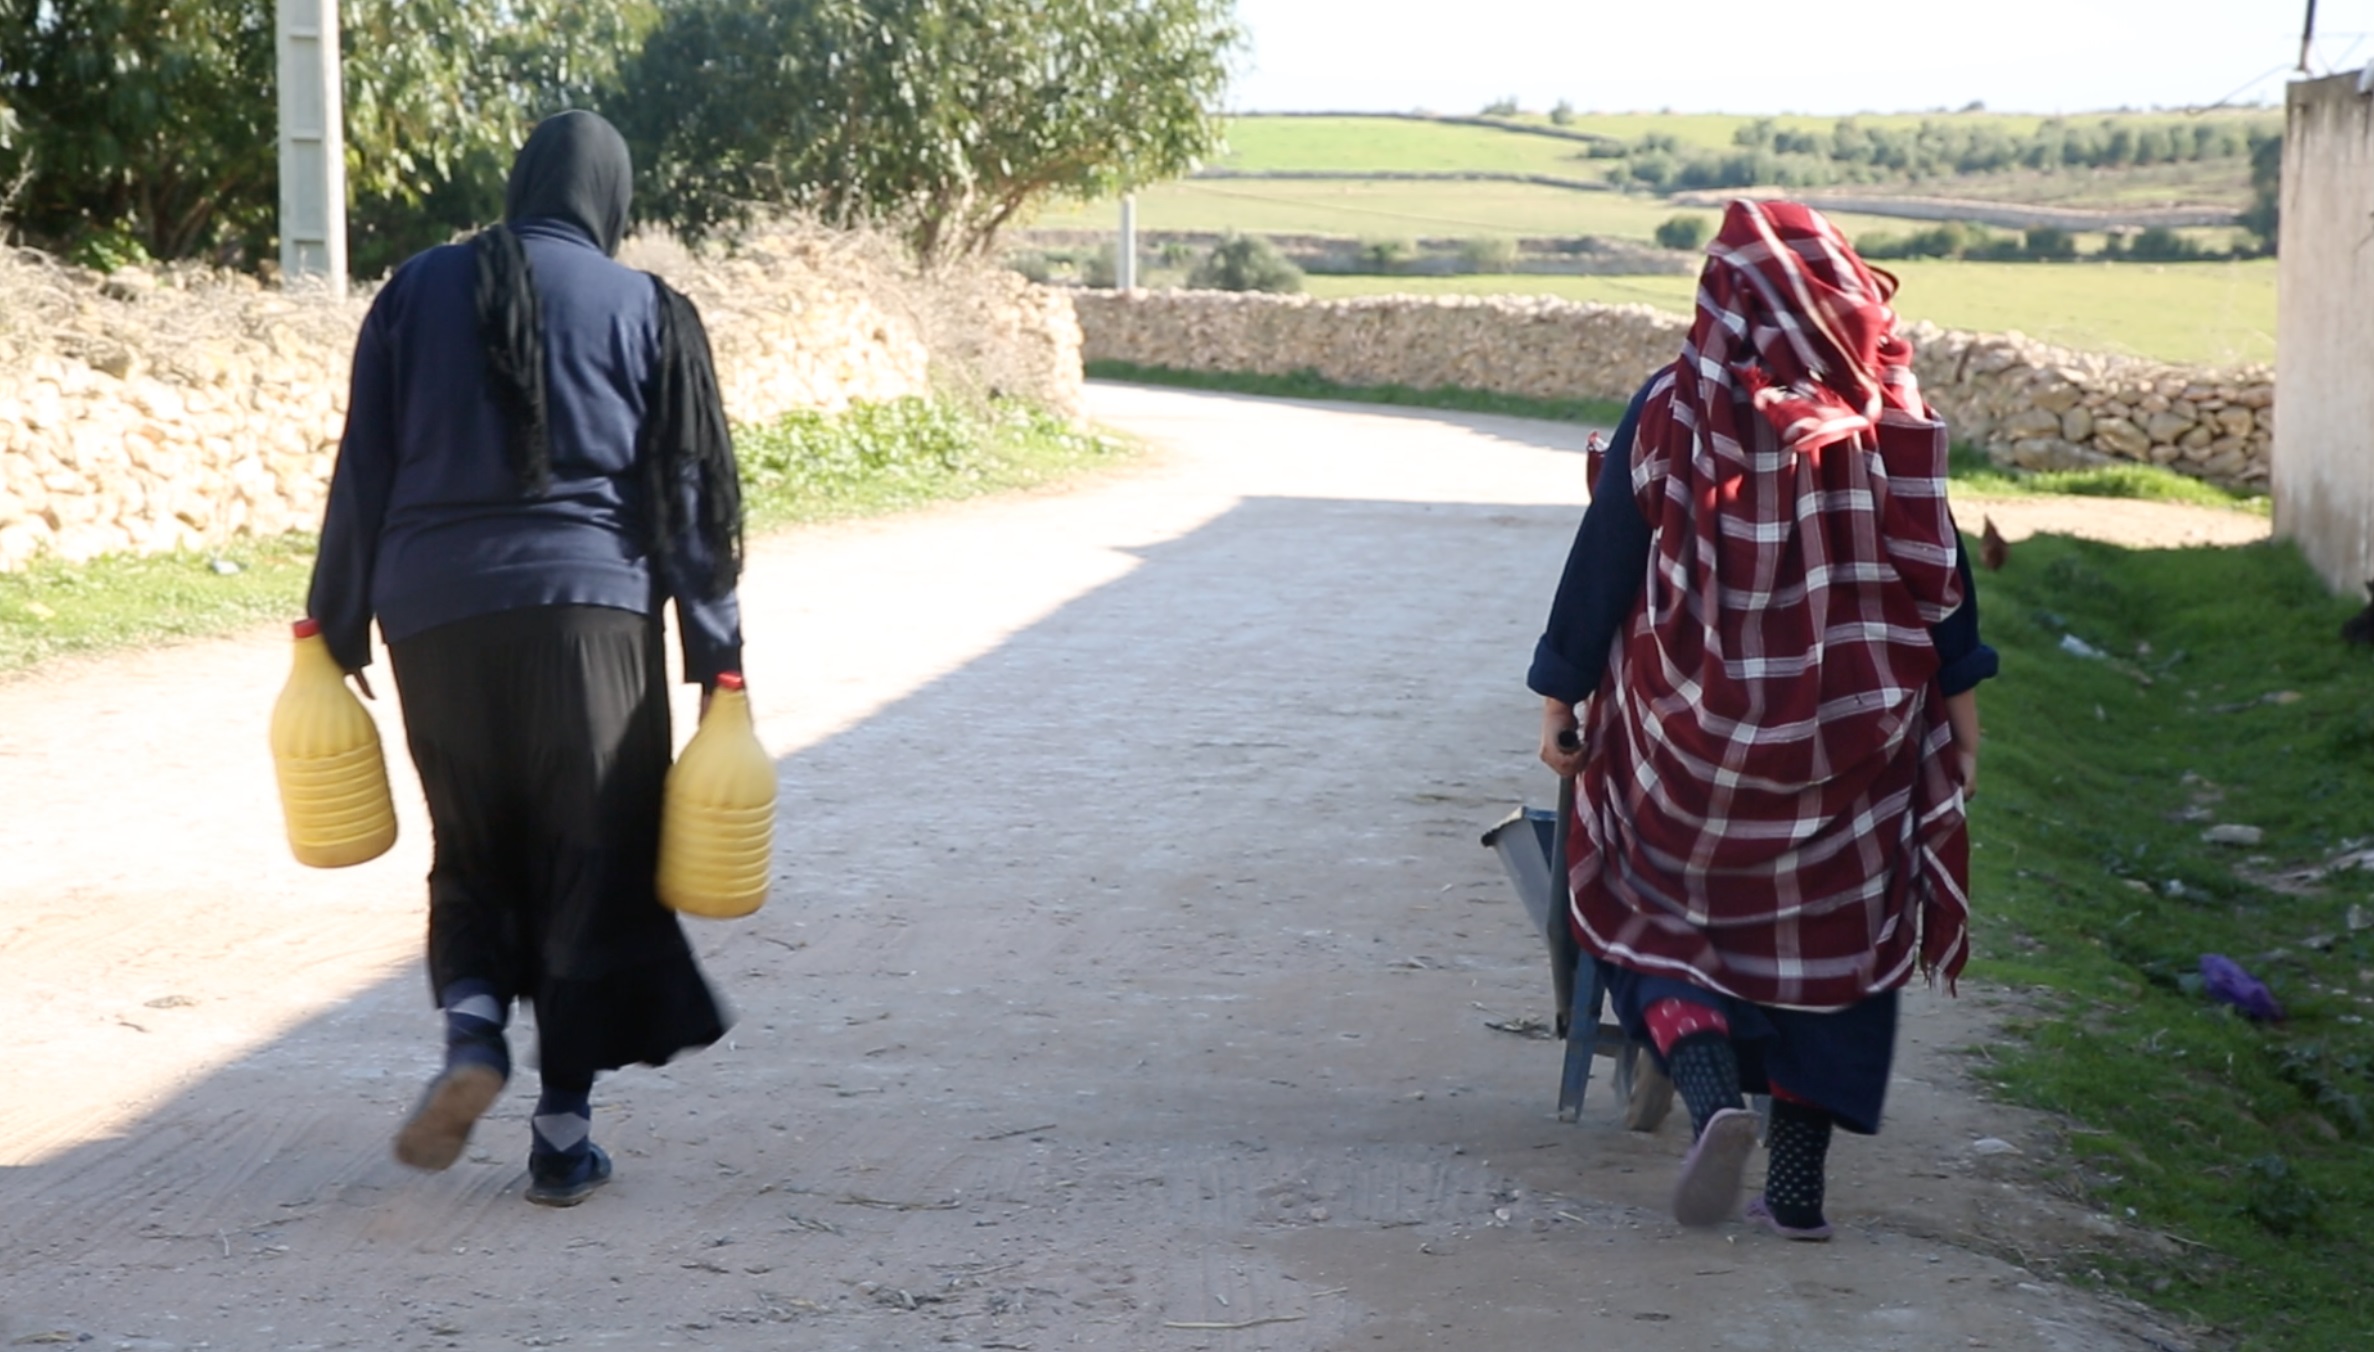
[1582, 1040]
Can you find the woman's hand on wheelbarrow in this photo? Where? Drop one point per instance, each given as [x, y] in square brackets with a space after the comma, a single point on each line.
[1561, 743]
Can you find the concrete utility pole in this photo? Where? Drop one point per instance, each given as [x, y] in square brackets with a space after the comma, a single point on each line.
[1125, 259]
[312, 145]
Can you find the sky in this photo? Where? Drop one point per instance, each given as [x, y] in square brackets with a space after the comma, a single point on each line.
[1766, 56]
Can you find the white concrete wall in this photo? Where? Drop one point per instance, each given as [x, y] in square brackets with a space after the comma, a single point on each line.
[2324, 331]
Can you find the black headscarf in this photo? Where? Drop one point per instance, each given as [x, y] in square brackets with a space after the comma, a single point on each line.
[575, 169]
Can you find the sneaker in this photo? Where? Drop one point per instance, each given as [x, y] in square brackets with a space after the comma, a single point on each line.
[1759, 1213]
[1708, 1190]
[433, 1137]
[588, 1172]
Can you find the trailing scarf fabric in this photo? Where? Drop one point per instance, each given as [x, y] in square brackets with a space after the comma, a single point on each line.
[688, 452]
[1768, 810]
[574, 169]
[511, 324]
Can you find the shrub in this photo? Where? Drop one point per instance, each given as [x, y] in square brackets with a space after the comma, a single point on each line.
[1245, 263]
[1682, 232]
[1562, 114]
[1487, 254]
[2050, 244]
[1655, 169]
[1386, 255]
[2159, 244]
[1501, 107]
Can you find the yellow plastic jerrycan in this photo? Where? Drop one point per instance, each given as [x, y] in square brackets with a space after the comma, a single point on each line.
[325, 750]
[717, 823]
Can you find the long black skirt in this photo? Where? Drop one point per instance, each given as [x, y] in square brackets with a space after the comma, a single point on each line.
[542, 740]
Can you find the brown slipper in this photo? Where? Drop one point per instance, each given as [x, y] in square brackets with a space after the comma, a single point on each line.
[433, 1137]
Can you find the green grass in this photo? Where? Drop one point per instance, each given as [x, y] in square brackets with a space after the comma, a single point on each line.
[1312, 385]
[1382, 143]
[871, 460]
[887, 457]
[51, 609]
[2205, 313]
[2227, 697]
[1976, 476]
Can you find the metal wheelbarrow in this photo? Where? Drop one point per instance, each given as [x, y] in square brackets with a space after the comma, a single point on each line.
[1531, 844]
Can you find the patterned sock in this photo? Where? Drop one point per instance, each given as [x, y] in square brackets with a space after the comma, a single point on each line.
[474, 1016]
[1705, 1073]
[562, 1130]
[1799, 1141]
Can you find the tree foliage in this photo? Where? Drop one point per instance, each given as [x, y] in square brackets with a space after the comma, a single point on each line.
[942, 118]
[154, 121]
[440, 94]
[2264, 217]
[151, 119]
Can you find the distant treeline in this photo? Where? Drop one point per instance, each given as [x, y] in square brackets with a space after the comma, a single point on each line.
[1765, 153]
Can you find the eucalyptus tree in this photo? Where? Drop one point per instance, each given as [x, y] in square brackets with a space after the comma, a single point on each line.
[944, 119]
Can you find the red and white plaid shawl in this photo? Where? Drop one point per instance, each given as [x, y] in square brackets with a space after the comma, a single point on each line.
[1768, 810]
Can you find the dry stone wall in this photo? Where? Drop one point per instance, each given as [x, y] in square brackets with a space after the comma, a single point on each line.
[149, 412]
[2025, 403]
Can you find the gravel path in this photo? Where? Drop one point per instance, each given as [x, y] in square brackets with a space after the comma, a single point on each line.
[1127, 980]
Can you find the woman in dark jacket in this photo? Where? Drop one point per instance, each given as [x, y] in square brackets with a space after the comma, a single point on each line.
[535, 462]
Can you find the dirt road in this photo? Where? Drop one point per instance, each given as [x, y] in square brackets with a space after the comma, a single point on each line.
[1127, 979]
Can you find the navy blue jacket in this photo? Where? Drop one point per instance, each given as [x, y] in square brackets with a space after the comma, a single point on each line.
[427, 523]
[1609, 564]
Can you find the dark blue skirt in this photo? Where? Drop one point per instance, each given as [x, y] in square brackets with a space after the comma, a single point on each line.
[1839, 1061]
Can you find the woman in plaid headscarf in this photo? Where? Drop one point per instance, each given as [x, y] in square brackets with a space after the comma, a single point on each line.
[1771, 627]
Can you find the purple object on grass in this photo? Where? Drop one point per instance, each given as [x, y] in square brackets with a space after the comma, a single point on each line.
[2225, 980]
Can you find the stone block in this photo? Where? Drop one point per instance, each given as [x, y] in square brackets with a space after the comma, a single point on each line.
[2121, 437]
[2167, 425]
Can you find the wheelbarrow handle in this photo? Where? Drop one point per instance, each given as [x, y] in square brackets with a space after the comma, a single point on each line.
[1564, 952]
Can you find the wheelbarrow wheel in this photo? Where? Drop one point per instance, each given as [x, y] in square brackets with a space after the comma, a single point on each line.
[1647, 1093]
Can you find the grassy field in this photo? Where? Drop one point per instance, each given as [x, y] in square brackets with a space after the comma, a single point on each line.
[1373, 144]
[2212, 313]
[2226, 697]
[1373, 208]
[871, 460]
[1379, 143]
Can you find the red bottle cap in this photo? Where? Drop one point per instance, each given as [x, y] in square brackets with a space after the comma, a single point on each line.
[729, 680]
[307, 628]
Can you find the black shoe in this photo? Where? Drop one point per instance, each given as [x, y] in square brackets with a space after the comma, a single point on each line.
[571, 1185]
